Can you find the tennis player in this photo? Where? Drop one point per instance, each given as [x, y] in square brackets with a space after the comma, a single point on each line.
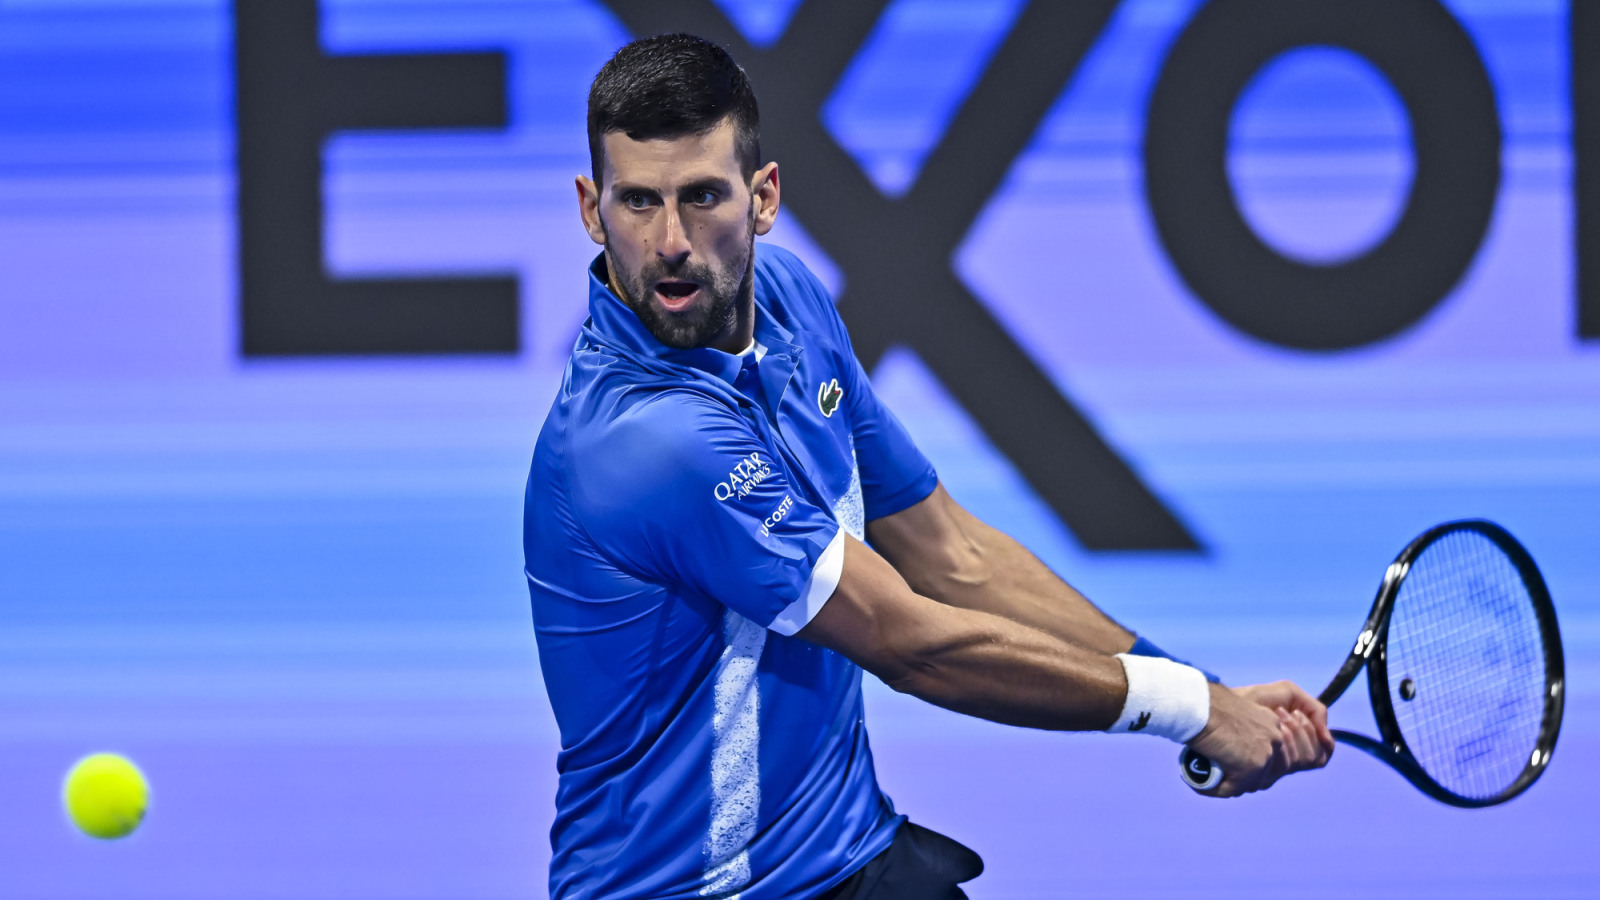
[703, 596]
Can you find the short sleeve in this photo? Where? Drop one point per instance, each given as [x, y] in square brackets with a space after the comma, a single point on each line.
[679, 490]
[894, 473]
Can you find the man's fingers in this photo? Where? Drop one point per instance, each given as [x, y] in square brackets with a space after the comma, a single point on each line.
[1323, 743]
[1264, 694]
[1312, 753]
[1297, 700]
[1291, 696]
[1269, 735]
[1282, 720]
[1285, 750]
[1315, 711]
[1290, 742]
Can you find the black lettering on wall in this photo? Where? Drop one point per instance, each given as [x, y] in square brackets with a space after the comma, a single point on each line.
[1455, 128]
[290, 97]
[897, 254]
[1584, 43]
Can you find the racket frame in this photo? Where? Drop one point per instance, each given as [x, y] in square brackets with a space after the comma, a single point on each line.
[1370, 653]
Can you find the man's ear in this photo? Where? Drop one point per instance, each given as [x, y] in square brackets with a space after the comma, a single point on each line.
[764, 196]
[589, 210]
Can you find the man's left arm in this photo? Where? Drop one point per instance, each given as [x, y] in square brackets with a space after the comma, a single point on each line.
[948, 554]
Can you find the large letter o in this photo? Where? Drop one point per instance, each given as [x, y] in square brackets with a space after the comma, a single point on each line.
[1455, 128]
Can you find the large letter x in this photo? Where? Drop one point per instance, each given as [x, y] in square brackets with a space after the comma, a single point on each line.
[897, 253]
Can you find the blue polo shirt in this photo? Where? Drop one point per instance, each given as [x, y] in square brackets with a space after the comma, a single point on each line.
[685, 516]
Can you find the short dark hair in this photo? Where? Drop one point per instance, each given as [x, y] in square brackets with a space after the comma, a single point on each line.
[669, 86]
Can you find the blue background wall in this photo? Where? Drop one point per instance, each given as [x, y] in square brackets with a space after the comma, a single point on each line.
[291, 589]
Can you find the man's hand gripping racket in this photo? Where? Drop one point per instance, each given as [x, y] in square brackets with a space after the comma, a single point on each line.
[1259, 734]
[1464, 670]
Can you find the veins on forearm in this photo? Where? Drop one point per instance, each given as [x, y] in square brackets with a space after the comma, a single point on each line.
[988, 666]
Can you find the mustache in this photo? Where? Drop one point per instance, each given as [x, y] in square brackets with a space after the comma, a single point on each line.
[687, 270]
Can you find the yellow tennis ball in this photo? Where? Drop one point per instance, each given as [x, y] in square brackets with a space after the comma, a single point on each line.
[105, 795]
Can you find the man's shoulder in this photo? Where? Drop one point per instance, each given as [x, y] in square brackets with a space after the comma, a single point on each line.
[787, 279]
[623, 420]
[774, 258]
[797, 296]
[618, 395]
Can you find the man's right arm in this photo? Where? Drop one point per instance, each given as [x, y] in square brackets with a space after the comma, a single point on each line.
[991, 667]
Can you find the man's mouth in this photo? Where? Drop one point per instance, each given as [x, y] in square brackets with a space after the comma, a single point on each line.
[675, 296]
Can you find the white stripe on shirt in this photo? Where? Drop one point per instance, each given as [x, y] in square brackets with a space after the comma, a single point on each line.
[735, 757]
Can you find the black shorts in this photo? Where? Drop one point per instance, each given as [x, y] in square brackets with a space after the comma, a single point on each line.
[919, 865]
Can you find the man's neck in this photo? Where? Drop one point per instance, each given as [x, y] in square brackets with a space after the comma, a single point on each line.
[743, 333]
[611, 282]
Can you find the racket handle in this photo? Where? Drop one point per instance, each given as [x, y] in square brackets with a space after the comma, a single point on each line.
[1198, 771]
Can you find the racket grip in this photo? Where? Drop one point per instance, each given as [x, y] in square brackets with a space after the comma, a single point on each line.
[1198, 771]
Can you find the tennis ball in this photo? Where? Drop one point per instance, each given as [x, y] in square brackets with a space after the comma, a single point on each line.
[105, 795]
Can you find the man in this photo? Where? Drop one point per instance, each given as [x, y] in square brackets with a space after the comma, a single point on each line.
[702, 596]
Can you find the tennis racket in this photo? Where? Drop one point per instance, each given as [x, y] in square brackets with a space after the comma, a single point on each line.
[1464, 668]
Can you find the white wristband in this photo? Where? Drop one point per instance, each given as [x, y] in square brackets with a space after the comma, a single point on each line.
[1165, 698]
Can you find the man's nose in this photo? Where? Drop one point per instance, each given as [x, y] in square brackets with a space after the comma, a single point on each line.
[674, 245]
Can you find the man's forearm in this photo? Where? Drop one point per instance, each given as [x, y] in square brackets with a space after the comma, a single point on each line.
[965, 660]
[996, 669]
[949, 555]
[1025, 590]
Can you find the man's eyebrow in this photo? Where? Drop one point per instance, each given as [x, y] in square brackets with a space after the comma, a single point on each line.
[624, 187]
[714, 184]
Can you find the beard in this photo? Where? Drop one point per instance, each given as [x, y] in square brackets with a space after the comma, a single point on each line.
[710, 316]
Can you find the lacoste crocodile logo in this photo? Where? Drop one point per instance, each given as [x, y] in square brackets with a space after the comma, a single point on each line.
[828, 395]
[1144, 719]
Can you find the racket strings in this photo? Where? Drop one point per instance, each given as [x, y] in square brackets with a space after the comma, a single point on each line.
[1464, 643]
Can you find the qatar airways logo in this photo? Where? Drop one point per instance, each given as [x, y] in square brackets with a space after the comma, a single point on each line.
[751, 471]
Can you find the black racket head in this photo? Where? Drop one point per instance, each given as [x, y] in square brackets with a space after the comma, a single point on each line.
[1468, 679]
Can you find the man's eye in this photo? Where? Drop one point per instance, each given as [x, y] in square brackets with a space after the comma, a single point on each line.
[704, 198]
[636, 201]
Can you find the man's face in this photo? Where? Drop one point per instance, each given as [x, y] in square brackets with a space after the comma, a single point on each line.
[678, 221]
